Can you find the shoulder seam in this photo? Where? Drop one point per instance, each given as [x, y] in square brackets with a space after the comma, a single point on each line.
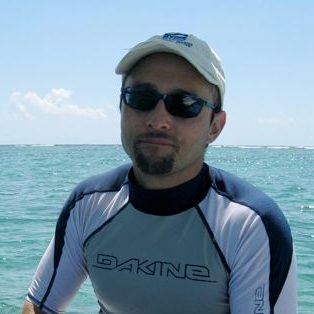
[211, 234]
[105, 223]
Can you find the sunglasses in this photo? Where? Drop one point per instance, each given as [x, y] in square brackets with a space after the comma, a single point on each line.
[179, 104]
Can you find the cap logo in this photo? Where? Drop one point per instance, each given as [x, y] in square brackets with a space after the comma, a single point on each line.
[177, 38]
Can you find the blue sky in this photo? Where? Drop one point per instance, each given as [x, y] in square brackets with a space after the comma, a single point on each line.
[57, 61]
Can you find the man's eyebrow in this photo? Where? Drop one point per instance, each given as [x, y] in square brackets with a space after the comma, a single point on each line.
[143, 85]
[152, 86]
[183, 91]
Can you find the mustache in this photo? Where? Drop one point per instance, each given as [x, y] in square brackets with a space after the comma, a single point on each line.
[157, 135]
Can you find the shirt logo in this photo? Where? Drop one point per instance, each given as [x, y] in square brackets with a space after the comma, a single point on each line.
[259, 300]
[177, 38]
[154, 268]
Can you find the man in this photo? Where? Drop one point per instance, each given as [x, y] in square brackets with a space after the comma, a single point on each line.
[169, 234]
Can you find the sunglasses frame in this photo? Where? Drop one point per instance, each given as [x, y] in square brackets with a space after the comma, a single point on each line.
[158, 96]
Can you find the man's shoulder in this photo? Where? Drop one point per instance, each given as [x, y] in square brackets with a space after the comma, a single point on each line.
[108, 181]
[240, 191]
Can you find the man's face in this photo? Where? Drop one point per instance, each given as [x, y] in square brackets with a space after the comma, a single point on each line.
[158, 143]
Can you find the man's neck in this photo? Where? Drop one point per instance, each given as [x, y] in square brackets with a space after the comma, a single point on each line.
[164, 181]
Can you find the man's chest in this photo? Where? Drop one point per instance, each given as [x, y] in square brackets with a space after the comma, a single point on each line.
[140, 263]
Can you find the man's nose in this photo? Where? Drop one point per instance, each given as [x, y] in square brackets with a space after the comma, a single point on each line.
[159, 118]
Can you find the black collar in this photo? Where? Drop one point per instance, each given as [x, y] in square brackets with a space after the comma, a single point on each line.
[170, 201]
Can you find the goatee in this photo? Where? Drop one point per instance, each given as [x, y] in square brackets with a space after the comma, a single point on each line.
[154, 165]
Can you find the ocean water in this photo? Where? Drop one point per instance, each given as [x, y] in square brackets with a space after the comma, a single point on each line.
[36, 180]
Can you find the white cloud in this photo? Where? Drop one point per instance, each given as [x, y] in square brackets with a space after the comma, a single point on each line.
[57, 102]
[23, 110]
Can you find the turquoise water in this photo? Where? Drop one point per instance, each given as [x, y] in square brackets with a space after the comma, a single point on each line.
[35, 181]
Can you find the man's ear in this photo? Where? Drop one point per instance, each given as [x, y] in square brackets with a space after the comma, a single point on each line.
[216, 126]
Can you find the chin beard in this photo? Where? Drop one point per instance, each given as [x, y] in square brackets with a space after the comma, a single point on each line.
[154, 165]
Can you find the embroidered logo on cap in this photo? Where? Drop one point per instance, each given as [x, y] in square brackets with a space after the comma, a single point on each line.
[177, 38]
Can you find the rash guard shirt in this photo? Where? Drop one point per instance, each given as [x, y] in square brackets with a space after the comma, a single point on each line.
[214, 244]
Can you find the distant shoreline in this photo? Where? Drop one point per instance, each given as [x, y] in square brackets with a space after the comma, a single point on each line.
[212, 146]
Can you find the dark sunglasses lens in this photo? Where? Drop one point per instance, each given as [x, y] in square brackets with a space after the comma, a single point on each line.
[178, 104]
[141, 100]
[183, 105]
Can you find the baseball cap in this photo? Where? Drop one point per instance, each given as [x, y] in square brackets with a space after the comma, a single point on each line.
[197, 52]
